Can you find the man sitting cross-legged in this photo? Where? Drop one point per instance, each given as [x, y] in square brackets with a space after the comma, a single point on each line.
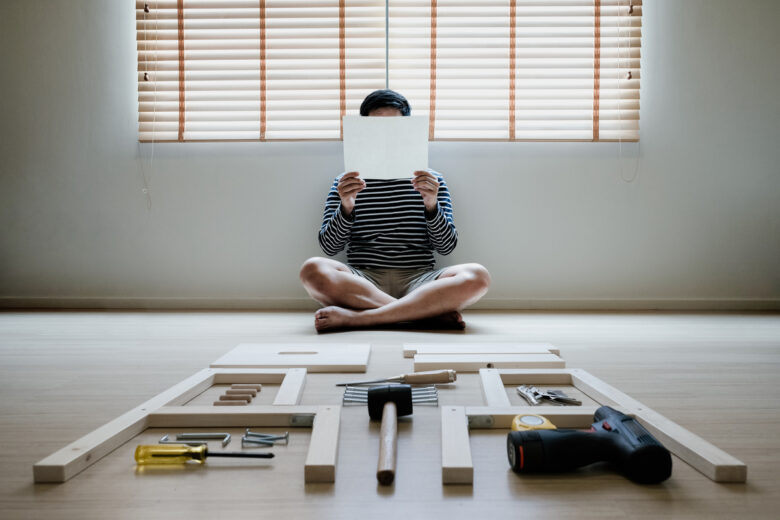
[390, 229]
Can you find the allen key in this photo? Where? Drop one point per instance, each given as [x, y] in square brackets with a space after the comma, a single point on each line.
[224, 437]
[165, 440]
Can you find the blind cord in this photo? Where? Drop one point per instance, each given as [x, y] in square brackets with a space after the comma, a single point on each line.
[633, 176]
[144, 178]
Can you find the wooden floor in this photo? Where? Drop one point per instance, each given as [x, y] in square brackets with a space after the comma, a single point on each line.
[62, 374]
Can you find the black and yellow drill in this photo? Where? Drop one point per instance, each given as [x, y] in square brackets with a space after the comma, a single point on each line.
[614, 437]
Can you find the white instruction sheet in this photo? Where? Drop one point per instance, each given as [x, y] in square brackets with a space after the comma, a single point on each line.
[385, 147]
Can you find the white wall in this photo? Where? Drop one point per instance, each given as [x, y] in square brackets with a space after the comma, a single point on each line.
[229, 224]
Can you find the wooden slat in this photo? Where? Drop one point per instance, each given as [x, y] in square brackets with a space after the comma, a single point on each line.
[410, 349]
[208, 416]
[474, 362]
[456, 464]
[82, 453]
[320, 465]
[707, 458]
[493, 388]
[291, 389]
[561, 416]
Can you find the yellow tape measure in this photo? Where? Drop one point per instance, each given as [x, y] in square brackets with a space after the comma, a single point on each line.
[531, 422]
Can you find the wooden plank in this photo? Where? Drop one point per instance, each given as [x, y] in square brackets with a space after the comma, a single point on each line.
[208, 416]
[320, 465]
[291, 389]
[707, 458]
[315, 357]
[536, 376]
[410, 349]
[492, 417]
[474, 362]
[456, 464]
[82, 453]
[493, 389]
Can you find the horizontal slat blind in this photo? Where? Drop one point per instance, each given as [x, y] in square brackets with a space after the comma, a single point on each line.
[289, 69]
[298, 90]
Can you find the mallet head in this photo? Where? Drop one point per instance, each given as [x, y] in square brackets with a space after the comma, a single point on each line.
[401, 395]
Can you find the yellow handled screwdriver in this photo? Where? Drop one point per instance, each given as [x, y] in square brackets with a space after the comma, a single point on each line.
[181, 453]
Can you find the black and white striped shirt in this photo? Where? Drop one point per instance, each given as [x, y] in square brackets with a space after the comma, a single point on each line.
[388, 227]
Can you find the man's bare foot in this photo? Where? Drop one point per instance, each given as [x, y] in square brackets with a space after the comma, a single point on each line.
[454, 319]
[329, 318]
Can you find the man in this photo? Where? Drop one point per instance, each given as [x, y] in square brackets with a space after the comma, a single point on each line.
[390, 229]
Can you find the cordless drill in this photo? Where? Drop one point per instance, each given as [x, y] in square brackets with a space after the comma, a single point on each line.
[614, 437]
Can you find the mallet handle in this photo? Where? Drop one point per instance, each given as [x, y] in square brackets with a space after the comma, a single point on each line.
[388, 436]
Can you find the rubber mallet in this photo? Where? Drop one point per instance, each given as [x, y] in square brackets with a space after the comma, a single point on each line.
[388, 402]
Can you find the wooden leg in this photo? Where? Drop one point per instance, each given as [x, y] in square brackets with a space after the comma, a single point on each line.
[456, 464]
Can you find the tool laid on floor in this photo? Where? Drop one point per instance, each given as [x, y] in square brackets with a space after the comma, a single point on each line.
[614, 437]
[415, 378]
[530, 421]
[263, 440]
[420, 395]
[388, 402]
[181, 453]
[222, 436]
[534, 396]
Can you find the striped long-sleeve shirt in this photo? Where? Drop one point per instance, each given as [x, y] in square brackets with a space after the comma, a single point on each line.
[388, 227]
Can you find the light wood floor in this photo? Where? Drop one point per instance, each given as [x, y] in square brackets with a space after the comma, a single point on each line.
[62, 374]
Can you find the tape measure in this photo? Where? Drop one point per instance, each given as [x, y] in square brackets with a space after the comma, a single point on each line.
[529, 421]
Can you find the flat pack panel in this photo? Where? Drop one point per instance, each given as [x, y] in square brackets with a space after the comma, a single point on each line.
[475, 362]
[314, 357]
[385, 147]
[410, 349]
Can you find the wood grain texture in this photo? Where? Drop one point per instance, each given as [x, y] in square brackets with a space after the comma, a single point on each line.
[63, 374]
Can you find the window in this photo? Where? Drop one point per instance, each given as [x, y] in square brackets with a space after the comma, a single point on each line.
[478, 69]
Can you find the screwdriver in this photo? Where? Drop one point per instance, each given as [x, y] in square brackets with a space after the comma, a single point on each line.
[414, 378]
[181, 453]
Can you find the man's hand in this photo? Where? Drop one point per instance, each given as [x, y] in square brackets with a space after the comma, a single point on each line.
[428, 185]
[349, 186]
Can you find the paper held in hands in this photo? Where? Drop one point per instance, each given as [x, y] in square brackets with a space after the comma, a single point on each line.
[385, 147]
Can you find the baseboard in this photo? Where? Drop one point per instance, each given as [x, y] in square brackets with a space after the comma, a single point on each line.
[301, 304]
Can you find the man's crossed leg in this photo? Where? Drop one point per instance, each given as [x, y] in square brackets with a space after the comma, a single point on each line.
[351, 301]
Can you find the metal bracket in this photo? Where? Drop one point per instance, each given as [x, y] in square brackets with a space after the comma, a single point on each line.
[480, 421]
[302, 420]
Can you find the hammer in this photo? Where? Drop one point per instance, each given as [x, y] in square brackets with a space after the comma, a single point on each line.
[388, 402]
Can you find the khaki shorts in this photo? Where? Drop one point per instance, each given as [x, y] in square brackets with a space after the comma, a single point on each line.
[397, 282]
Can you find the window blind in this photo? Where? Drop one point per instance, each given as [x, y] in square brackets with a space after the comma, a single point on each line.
[290, 69]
